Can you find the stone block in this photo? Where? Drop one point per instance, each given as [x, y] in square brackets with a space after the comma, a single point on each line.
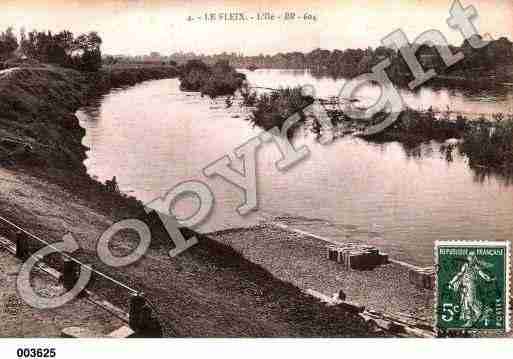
[423, 278]
[356, 256]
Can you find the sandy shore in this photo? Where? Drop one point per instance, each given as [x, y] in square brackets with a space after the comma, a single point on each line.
[301, 260]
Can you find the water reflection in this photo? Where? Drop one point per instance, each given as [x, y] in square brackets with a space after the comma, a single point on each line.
[483, 91]
[449, 151]
[485, 175]
[153, 136]
[468, 98]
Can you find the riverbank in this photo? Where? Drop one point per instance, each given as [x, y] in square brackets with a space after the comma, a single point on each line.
[208, 291]
[300, 258]
[111, 77]
[38, 124]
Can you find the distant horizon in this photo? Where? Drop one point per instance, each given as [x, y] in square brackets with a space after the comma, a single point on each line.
[230, 53]
[185, 52]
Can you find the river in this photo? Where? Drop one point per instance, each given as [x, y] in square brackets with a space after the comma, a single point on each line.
[153, 136]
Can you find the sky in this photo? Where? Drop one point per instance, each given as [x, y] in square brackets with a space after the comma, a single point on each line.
[137, 27]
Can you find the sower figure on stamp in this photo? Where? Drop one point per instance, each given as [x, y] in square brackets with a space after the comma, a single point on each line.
[465, 284]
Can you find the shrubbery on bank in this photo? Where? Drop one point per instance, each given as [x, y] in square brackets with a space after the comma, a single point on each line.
[217, 80]
[274, 108]
[490, 146]
[488, 143]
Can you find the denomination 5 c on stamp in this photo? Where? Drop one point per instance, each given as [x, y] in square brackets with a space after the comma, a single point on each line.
[472, 286]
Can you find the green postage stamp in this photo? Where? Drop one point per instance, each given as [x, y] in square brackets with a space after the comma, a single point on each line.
[472, 286]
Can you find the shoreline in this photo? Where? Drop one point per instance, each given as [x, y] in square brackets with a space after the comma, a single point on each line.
[263, 282]
[210, 291]
[335, 242]
[299, 258]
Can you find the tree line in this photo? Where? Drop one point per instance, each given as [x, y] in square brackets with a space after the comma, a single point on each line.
[82, 52]
[352, 62]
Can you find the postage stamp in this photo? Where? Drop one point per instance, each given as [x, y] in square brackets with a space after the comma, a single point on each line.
[472, 286]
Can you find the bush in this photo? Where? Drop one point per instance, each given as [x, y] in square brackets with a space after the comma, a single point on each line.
[218, 80]
[273, 109]
[249, 97]
[489, 145]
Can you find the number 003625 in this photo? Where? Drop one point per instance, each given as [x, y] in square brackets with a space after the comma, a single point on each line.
[36, 353]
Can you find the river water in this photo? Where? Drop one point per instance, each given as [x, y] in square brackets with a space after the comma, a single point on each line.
[153, 136]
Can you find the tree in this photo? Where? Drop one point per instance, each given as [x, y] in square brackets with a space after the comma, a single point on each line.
[88, 42]
[23, 37]
[90, 61]
[90, 58]
[82, 53]
[8, 43]
[66, 41]
[27, 44]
